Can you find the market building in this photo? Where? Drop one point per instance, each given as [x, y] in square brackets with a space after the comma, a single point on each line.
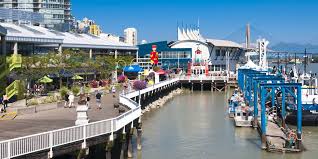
[193, 51]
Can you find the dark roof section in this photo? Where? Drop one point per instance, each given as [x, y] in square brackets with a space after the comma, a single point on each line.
[3, 31]
[145, 49]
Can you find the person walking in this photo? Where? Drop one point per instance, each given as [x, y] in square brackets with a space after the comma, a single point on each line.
[98, 100]
[66, 100]
[114, 91]
[5, 101]
[71, 100]
[87, 101]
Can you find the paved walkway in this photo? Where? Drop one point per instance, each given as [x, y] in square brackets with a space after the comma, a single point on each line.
[44, 121]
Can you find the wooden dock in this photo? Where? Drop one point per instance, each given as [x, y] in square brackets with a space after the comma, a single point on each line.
[276, 138]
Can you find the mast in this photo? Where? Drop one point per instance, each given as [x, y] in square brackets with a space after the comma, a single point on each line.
[305, 64]
[248, 36]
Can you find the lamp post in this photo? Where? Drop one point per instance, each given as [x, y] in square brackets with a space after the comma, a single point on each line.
[123, 73]
[132, 61]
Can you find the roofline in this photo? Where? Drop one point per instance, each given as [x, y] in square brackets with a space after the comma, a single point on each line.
[88, 46]
[177, 42]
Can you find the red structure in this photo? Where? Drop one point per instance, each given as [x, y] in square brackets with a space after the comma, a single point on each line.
[154, 57]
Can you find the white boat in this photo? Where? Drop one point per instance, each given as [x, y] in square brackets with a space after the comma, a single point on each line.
[243, 116]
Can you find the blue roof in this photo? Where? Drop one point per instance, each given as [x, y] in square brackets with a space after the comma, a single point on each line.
[133, 68]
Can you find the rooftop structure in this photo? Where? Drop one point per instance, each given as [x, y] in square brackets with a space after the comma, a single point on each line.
[36, 39]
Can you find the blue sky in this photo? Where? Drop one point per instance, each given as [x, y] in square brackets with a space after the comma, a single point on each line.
[278, 20]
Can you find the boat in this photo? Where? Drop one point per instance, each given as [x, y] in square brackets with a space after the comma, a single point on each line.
[309, 98]
[243, 116]
[234, 101]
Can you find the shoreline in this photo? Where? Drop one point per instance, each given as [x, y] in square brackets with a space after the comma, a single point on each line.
[162, 101]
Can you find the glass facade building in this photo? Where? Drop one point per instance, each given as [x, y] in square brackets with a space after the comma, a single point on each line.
[168, 57]
[55, 12]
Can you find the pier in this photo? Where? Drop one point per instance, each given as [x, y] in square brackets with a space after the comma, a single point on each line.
[208, 82]
[107, 127]
[260, 90]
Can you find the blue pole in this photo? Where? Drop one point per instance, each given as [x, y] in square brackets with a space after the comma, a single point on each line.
[250, 91]
[299, 116]
[283, 107]
[273, 97]
[255, 90]
[263, 120]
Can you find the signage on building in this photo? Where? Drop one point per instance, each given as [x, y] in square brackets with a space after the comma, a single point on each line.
[198, 51]
[154, 57]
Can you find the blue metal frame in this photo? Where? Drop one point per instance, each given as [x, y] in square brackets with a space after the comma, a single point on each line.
[282, 86]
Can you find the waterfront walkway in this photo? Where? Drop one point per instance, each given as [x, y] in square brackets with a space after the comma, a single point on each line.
[43, 121]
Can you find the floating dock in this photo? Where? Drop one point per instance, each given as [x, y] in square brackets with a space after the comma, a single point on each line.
[260, 90]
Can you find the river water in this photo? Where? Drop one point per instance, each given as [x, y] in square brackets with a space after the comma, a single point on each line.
[196, 126]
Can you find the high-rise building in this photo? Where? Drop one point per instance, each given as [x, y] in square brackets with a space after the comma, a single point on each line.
[88, 26]
[130, 36]
[56, 12]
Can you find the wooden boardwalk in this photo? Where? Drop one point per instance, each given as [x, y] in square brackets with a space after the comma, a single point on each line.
[43, 121]
[275, 138]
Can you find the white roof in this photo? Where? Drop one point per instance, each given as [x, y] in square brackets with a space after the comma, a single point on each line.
[68, 39]
[250, 65]
[223, 43]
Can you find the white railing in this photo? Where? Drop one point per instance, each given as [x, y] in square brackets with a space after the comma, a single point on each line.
[48, 140]
[51, 139]
[204, 78]
[151, 88]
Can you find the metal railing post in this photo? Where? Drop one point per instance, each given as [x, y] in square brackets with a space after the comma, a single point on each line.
[50, 155]
[84, 136]
[111, 138]
[9, 149]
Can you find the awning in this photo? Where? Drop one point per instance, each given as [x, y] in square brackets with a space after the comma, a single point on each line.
[77, 77]
[133, 68]
[45, 79]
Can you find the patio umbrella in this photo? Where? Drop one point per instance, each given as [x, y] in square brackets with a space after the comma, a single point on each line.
[77, 77]
[45, 79]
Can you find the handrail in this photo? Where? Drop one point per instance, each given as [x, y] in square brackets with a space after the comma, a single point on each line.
[48, 140]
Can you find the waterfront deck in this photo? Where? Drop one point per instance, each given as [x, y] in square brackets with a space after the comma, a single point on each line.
[29, 124]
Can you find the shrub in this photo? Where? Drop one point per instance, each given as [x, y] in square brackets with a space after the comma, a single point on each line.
[94, 84]
[63, 91]
[32, 102]
[122, 78]
[76, 90]
[151, 75]
[156, 68]
[139, 85]
[87, 89]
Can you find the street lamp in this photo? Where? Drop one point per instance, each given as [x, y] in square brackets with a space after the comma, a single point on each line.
[132, 61]
[118, 63]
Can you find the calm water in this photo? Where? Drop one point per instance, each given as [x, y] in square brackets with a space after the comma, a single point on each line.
[195, 126]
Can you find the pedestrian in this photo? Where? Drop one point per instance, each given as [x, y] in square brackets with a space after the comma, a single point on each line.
[66, 100]
[71, 100]
[5, 102]
[98, 100]
[87, 101]
[114, 91]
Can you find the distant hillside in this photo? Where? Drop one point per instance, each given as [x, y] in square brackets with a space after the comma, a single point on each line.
[294, 47]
